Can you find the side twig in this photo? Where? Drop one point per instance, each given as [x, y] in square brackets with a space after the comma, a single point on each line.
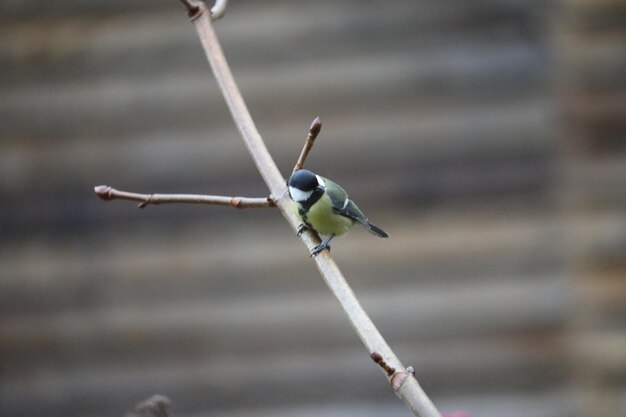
[314, 130]
[108, 193]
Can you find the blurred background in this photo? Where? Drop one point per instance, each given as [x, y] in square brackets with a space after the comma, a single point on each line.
[487, 137]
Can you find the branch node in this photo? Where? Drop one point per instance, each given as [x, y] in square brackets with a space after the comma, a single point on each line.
[147, 201]
[104, 192]
[397, 379]
[192, 9]
[378, 359]
[236, 202]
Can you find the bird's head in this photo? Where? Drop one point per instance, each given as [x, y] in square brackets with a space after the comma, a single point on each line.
[303, 183]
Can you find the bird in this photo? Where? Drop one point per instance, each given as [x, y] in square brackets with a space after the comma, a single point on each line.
[325, 207]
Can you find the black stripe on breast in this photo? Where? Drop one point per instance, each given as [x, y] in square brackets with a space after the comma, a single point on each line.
[315, 196]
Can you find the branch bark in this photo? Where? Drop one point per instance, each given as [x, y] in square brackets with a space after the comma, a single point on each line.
[403, 382]
[108, 193]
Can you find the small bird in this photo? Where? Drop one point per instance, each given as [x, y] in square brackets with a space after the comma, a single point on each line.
[325, 207]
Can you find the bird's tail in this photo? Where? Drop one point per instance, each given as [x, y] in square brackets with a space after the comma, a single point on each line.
[375, 230]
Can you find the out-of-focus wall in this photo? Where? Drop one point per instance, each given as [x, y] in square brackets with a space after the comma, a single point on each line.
[487, 137]
[590, 80]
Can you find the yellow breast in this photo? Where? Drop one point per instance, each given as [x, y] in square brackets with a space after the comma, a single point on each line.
[322, 218]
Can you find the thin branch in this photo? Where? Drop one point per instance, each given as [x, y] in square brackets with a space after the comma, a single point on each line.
[252, 139]
[314, 130]
[108, 193]
[408, 389]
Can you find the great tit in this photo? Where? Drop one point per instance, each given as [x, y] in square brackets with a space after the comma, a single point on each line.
[325, 207]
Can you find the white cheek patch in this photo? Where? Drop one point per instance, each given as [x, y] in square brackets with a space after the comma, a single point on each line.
[299, 195]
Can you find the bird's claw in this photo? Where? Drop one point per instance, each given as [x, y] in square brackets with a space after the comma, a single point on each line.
[317, 249]
[301, 229]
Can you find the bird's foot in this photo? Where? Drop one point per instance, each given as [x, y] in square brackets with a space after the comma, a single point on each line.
[324, 245]
[317, 249]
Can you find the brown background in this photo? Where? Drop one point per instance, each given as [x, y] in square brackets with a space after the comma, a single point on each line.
[487, 137]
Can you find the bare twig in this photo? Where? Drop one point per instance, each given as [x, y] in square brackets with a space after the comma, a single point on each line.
[108, 193]
[314, 130]
[408, 389]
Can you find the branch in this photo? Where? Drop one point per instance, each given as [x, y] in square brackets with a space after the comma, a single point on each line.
[408, 389]
[314, 130]
[108, 193]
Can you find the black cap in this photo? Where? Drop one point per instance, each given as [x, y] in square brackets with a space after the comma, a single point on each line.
[304, 180]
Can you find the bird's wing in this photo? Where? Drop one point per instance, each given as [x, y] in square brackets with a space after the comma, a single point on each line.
[342, 203]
